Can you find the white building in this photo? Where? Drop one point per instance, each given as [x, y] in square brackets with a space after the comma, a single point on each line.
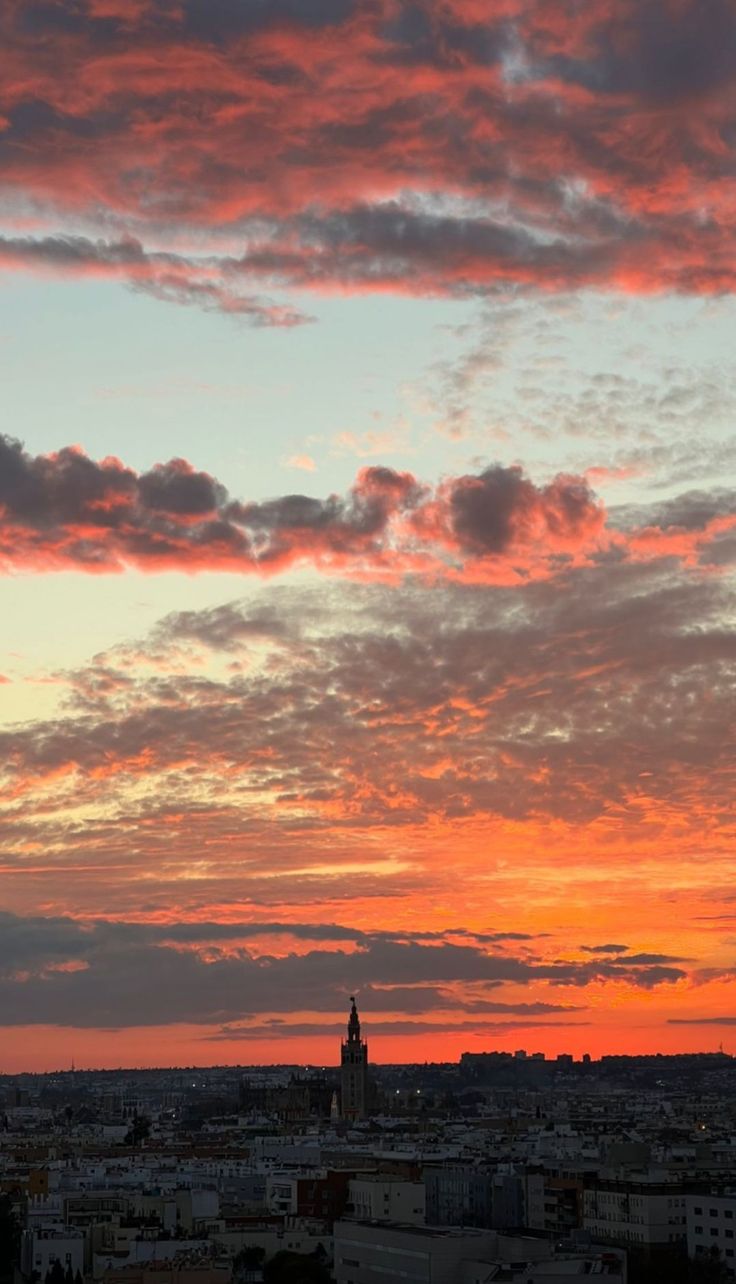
[41, 1249]
[642, 1211]
[365, 1252]
[282, 1193]
[293, 1238]
[151, 1253]
[711, 1223]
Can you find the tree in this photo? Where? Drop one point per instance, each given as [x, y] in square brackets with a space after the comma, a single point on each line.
[707, 1268]
[296, 1268]
[251, 1255]
[248, 1259]
[9, 1239]
[661, 1268]
[140, 1129]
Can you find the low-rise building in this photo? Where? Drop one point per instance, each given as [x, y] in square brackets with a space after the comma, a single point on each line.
[367, 1251]
[43, 1248]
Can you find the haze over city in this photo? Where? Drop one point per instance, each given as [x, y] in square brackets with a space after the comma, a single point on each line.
[367, 529]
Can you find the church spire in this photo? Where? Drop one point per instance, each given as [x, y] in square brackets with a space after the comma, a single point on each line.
[354, 1022]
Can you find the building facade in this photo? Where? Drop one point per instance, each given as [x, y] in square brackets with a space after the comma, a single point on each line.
[711, 1225]
[458, 1195]
[366, 1251]
[632, 1211]
[380, 1198]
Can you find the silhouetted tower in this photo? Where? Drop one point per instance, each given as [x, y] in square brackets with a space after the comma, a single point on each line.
[353, 1070]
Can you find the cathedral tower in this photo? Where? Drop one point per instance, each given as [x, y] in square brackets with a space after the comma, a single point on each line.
[354, 1070]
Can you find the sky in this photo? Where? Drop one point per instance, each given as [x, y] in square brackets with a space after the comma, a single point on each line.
[367, 528]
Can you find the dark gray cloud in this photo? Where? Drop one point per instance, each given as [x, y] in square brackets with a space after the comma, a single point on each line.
[229, 19]
[604, 949]
[486, 510]
[664, 53]
[690, 511]
[716, 1020]
[650, 958]
[226, 627]
[344, 523]
[80, 252]
[113, 974]
[466, 256]
[167, 276]
[483, 511]
[307, 1029]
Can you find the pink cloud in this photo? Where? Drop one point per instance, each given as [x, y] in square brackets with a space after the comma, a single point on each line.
[67, 511]
[570, 145]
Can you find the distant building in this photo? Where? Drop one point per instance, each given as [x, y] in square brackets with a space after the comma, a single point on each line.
[354, 1070]
[382, 1198]
[464, 1195]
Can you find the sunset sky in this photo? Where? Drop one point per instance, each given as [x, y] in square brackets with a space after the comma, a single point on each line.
[367, 528]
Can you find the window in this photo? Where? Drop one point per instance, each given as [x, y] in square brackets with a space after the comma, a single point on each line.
[698, 1212]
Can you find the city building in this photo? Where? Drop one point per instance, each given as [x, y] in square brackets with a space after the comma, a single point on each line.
[458, 1195]
[377, 1197]
[554, 1204]
[711, 1224]
[638, 1209]
[366, 1251]
[395, 1254]
[41, 1249]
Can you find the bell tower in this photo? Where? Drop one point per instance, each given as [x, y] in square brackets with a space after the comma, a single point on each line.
[353, 1070]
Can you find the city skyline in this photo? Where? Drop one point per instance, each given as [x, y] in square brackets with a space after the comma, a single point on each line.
[367, 529]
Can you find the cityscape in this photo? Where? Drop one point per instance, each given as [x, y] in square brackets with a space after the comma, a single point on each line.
[499, 1167]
